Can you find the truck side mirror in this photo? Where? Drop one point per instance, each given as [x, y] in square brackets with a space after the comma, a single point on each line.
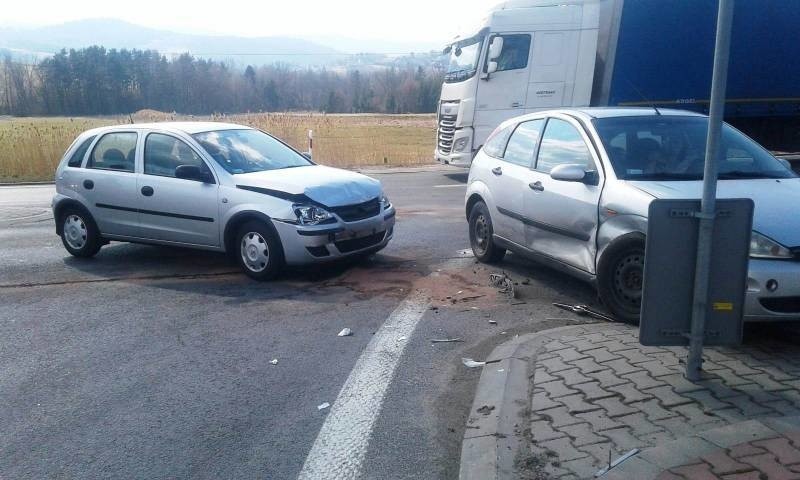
[495, 48]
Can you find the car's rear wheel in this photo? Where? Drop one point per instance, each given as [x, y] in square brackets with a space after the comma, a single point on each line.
[481, 235]
[259, 251]
[620, 278]
[79, 233]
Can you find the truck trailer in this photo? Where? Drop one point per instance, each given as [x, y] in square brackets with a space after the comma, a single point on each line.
[529, 55]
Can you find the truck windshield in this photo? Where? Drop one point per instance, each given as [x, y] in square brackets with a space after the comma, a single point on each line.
[661, 147]
[247, 151]
[463, 62]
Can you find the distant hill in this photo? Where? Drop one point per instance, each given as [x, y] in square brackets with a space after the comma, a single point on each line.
[38, 42]
[112, 33]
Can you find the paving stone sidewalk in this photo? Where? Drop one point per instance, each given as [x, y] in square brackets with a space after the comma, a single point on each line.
[597, 394]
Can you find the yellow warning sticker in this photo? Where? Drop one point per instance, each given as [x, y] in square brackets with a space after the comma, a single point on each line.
[723, 306]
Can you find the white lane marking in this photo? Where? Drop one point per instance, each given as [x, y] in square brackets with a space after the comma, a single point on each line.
[450, 185]
[341, 445]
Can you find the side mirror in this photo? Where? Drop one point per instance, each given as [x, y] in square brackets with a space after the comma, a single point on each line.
[193, 172]
[495, 48]
[491, 67]
[569, 173]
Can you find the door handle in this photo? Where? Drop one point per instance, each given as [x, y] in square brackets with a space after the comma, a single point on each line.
[88, 184]
[147, 191]
[497, 171]
[537, 186]
[516, 104]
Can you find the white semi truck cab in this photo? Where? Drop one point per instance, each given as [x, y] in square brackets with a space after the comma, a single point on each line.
[526, 55]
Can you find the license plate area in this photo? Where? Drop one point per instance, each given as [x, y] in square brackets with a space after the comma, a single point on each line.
[354, 234]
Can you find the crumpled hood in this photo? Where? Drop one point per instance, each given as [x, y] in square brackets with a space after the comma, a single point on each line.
[328, 186]
[776, 202]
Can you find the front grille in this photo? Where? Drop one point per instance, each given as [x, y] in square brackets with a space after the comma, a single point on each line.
[359, 211]
[354, 244]
[447, 130]
[781, 304]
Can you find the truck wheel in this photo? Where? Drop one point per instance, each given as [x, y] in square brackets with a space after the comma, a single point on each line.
[259, 251]
[79, 233]
[620, 277]
[480, 235]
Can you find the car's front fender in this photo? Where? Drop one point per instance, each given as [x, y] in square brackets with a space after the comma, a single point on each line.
[616, 226]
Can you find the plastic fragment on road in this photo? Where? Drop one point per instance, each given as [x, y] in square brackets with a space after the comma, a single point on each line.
[584, 311]
[323, 406]
[346, 332]
[616, 462]
[492, 322]
[470, 363]
[445, 340]
[503, 284]
[274, 361]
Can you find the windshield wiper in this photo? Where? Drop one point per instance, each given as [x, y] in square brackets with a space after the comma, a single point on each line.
[665, 176]
[741, 174]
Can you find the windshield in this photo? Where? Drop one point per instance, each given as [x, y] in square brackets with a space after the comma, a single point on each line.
[657, 147]
[247, 151]
[463, 62]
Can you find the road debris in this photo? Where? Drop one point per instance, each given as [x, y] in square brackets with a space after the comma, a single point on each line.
[323, 406]
[584, 311]
[503, 284]
[274, 361]
[486, 409]
[492, 322]
[346, 332]
[616, 462]
[470, 363]
[446, 340]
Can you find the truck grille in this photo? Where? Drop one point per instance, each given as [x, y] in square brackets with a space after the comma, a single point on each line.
[447, 130]
[359, 211]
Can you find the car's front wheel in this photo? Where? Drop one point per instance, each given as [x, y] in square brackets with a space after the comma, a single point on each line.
[79, 234]
[481, 235]
[621, 276]
[259, 251]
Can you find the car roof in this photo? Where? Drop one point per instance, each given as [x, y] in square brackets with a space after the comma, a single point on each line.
[175, 127]
[589, 113]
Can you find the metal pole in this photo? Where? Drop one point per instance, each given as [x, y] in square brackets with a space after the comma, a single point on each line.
[719, 79]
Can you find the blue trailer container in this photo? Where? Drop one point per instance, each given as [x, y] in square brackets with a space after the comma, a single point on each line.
[660, 52]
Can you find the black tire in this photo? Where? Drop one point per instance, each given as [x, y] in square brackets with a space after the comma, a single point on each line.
[258, 250]
[79, 233]
[620, 275]
[480, 235]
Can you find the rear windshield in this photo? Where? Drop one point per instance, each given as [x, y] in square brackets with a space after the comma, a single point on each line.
[660, 147]
[247, 151]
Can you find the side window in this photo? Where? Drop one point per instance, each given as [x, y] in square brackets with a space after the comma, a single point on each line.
[77, 158]
[496, 145]
[522, 143]
[562, 144]
[164, 153]
[516, 49]
[114, 151]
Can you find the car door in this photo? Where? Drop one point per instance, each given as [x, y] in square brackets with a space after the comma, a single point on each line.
[563, 215]
[509, 180]
[108, 183]
[176, 209]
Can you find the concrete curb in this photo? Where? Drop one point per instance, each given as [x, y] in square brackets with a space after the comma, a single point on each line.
[25, 184]
[494, 434]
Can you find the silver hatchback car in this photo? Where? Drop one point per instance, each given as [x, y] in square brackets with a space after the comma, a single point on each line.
[571, 188]
[215, 186]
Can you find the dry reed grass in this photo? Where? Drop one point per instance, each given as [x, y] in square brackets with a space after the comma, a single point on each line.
[30, 148]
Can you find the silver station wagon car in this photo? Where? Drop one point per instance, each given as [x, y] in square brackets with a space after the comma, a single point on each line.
[572, 187]
[215, 186]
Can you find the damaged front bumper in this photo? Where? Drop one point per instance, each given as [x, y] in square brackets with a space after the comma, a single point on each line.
[303, 244]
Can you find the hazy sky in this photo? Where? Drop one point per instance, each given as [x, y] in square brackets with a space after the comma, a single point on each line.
[404, 20]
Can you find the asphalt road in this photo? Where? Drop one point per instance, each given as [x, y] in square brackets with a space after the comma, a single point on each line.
[154, 362]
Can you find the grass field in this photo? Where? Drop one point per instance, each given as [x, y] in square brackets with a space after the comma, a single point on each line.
[30, 148]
